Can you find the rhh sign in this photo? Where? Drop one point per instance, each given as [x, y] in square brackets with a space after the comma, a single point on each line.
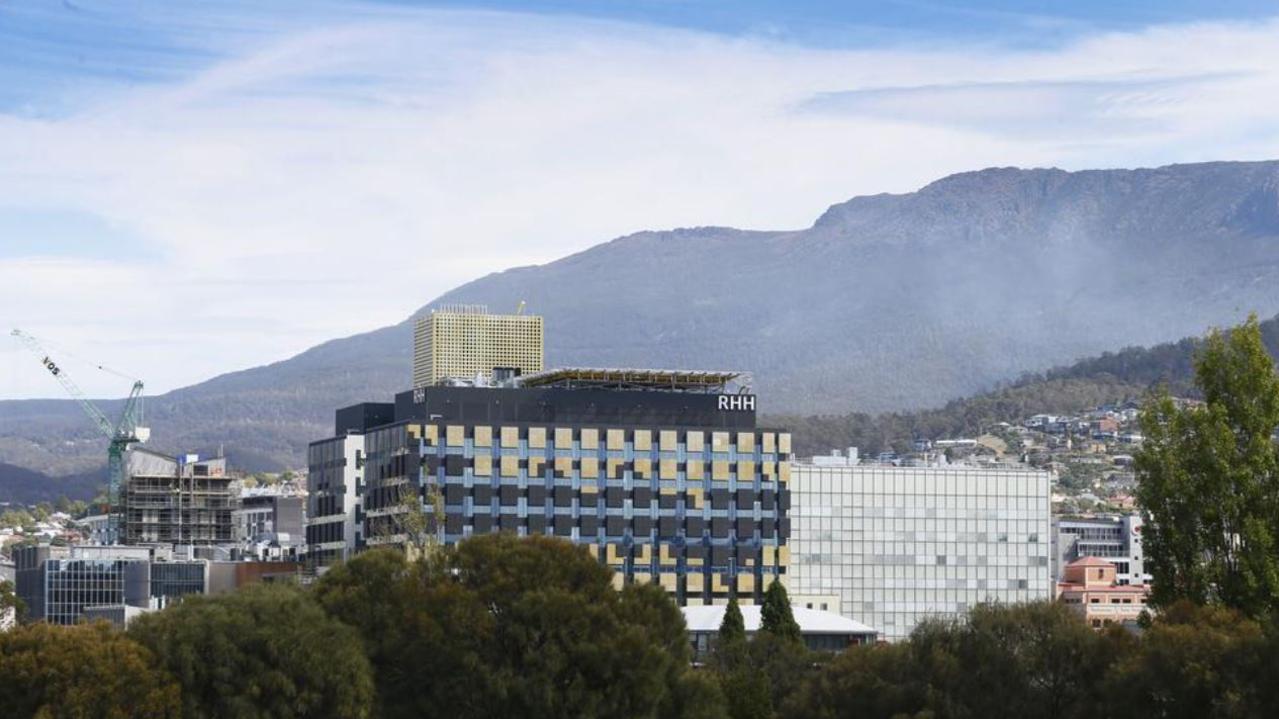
[737, 402]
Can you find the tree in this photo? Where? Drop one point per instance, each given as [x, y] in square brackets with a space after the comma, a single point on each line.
[265, 651]
[733, 627]
[864, 681]
[1197, 662]
[1209, 481]
[500, 626]
[9, 600]
[84, 671]
[776, 617]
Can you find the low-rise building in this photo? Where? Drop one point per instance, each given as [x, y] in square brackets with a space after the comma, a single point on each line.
[1090, 588]
[821, 630]
[1113, 537]
[177, 500]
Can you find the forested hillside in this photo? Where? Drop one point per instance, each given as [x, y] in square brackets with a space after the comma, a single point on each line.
[1129, 374]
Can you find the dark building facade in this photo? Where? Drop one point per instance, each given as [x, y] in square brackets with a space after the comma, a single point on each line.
[662, 476]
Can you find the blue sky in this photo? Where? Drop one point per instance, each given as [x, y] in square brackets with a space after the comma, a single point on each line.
[180, 176]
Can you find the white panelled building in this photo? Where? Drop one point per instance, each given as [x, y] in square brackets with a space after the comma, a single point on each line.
[895, 545]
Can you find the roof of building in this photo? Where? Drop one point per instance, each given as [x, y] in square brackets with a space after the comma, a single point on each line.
[811, 621]
[1090, 562]
[631, 378]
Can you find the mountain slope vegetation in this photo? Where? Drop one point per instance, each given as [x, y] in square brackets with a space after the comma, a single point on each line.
[887, 303]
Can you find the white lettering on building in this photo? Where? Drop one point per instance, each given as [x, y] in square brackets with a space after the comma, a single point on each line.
[737, 402]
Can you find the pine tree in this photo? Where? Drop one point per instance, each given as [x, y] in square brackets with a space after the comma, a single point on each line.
[733, 629]
[776, 617]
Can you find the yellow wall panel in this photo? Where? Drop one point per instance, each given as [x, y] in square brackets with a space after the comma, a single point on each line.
[536, 466]
[414, 431]
[768, 442]
[695, 469]
[642, 578]
[783, 443]
[590, 467]
[563, 437]
[718, 584]
[668, 581]
[617, 439]
[644, 468]
[615, 467]
[483, 436]
[746, 583]
[510, 466]
[510, 437]
[695, 441]
[767, 469]
[783, 471]
[719, 470]
[745, 441]
[668, 469]
[694, 582]
[564, 466]
[455, 435]
[770, 555]
[783, 555]
[719, 441]
[612, 553]
[746, 469]
[644, 553]
[590, 439]
[668, 440]
[432, 433]
[643, 440]
[537, 437]
[483, 465]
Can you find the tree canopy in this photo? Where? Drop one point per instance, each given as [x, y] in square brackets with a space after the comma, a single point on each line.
[501, 626]
[85, 671]
[265, 651]
[1209, 480]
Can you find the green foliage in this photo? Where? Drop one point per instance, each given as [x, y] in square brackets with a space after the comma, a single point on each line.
[264, 651]
[776, 617]
[1030, 660]
[1209, 481]
[10, 600]
[1198, 662]
[498, 626]
[53, 672]
[733, 627]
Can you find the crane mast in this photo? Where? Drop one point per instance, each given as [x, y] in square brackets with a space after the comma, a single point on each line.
[121, 434]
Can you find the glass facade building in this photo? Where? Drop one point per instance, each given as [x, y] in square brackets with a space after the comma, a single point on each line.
[896, 545]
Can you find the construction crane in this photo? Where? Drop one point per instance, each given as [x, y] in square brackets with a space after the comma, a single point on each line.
[122, 434]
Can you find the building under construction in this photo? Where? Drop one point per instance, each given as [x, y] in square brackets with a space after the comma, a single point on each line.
[177, 500]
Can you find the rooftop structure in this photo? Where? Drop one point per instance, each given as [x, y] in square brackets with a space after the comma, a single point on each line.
[673, 380]
[465, 342]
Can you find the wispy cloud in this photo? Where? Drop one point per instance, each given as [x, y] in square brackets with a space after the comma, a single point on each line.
[299, 177]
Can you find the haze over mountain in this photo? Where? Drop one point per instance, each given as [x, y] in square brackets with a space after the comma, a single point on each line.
[887, 302]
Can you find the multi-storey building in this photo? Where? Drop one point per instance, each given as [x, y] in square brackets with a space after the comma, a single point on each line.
[896, 545]
[267, 514]
[1089, 586]
[463, 342]
[663, 475]
[177, 500]
[1114, 538]
[59, 583]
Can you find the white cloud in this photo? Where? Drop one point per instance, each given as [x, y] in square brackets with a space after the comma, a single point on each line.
[331, 178]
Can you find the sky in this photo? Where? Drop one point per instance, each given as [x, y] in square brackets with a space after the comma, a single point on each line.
[192, 188]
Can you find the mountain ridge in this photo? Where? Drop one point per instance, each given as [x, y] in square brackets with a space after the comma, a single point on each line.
[886, 302]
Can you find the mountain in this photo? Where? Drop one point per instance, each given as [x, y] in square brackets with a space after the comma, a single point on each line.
[1113, 377]
[24, 486]
[887, 302]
